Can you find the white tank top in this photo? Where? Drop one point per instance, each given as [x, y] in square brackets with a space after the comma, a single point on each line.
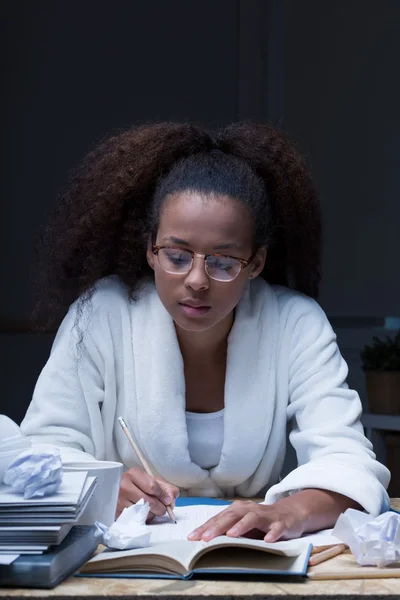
[206, 435]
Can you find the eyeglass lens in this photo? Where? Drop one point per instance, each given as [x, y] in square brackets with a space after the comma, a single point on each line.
[179, 261]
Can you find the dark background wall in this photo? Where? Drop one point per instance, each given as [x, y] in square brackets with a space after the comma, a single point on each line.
[341, 103]
[74, 72]
[324, 71]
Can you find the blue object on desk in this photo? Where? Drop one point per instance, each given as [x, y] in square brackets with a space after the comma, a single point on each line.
[50, 568]
[191, 500]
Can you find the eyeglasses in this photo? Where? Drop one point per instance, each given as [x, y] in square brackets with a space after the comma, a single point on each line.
[179, 261]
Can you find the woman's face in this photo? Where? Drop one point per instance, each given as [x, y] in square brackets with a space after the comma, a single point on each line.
[205, 224]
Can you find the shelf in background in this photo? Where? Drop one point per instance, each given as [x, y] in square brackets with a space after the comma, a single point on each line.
[375, 421]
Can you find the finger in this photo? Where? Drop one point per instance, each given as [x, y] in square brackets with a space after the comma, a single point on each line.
[155, 506]
[171, 489]
[147, 483]
[198, 532]
[150, 517]
[118, 511]
[249, 522]
[170, 493]
[122, 503]
[217, 525]
[131, 493]
[223, 520]
[276, 531]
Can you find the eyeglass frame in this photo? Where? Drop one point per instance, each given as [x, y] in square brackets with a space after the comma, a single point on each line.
[243, 262]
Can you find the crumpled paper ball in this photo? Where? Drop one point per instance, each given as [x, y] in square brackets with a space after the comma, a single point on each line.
[129, 530]
[35, 473]
[372, 540]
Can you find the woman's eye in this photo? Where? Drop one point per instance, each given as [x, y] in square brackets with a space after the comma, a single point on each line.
[178, 258]
[222, 264]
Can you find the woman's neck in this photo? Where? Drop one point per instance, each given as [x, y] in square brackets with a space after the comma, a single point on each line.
[208, 344]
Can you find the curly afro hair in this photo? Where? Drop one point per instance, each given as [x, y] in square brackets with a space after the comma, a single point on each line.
[113, 199]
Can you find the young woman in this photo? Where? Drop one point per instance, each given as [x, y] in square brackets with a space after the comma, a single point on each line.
[190, 265]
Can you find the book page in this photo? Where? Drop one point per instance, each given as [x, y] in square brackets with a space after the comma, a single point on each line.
[7, 559]
[188, 518]
[323, 538]
[249, 557]
[169, 541]
[180, 556]
[152, 559]
[284, 548]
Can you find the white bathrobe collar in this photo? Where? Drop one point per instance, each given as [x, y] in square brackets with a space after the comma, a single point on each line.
[156, 412]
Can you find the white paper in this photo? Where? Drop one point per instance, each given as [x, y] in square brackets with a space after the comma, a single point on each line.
[190, 517]
[373, 541]
[161, 529]
[8, 559]
[129, 530]
[322, 538]
[22, 548]
[187, 518]
[68, 494]
[35, 473]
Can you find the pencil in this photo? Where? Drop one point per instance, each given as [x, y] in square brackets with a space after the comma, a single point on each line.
[142, 459]
[320, 557]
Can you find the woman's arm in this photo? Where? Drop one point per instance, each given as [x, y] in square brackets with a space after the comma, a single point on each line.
[332, 451]
[65, 408]
[337, 467]
[290, 517]
[320, 509]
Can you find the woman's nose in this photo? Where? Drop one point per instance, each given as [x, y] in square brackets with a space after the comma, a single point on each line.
[197, 277]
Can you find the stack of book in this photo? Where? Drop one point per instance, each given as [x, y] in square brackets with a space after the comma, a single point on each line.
[31, 540]
[32, 526]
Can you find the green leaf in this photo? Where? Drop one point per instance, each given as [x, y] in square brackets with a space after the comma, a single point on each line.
[382, 354]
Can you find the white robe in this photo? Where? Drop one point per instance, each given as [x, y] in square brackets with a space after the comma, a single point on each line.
[283, 363]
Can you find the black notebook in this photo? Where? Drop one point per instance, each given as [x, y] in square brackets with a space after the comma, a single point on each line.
[48, 569]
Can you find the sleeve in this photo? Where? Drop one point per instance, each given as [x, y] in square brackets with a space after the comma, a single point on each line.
[65, 410]
[327, 434]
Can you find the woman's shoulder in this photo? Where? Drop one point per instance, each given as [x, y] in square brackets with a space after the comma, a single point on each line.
[106, 308]
[108, 290]
[292, 299]
[111, 292]
[293, 305]
[300, 312]
[108, 299]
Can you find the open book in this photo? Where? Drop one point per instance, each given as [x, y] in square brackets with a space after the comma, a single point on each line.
[170, 554]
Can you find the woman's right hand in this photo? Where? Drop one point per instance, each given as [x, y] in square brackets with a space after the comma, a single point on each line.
[136, 484]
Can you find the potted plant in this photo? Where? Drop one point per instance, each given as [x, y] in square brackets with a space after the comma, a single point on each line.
[381, 364]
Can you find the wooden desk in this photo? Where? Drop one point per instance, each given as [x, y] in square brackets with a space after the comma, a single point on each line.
[147, 589]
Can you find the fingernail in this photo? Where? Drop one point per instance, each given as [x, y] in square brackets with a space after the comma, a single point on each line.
[269, 537]
[167, 499]
[208, 534]
[233, 531]
[193, 536]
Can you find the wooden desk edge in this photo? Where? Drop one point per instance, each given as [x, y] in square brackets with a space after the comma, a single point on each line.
[196, 589]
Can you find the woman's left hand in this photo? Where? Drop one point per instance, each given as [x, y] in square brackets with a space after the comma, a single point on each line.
[271, 522]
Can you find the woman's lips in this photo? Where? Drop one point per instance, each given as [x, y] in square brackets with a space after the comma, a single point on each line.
[194, 311]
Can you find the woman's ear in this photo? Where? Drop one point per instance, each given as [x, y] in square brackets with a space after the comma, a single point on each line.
[258, 262]
[149, 253]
